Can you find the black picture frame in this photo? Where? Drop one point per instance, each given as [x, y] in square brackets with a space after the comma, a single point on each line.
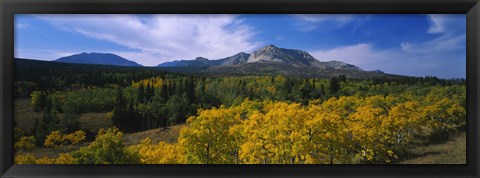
[8, 8]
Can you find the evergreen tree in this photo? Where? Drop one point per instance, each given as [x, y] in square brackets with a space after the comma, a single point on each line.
[141, 94]
[191, 90]
[334, 85]
[119, 111]
[164, 93]
[150, 92]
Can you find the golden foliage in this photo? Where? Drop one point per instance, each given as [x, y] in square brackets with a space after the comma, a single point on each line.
[63, 158]
[347, 129]
[75, 138]
[25, 143]
[55, 138]
[156, 82]
[24, 159]
[161, 153]
[350, 129]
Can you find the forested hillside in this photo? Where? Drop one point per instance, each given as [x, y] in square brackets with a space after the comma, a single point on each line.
[261, 119]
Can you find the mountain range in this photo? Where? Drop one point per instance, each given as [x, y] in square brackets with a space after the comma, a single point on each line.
[267, 54]
[269, 60]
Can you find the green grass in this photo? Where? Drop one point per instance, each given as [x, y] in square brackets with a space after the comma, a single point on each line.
[450, 152]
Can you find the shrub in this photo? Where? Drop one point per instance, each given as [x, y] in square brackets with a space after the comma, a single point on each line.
[75, 138]
[108, 148]
[24, 159]
[25, 143]
[54, 139]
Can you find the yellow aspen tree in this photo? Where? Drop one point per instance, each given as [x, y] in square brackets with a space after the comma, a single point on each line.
[207, 140]
[372, 130]
[161, 153]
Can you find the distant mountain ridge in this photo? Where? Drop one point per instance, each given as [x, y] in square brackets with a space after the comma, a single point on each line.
[341, 65]
[269, 60]
[267, 54]
[97, 58]
[240, 58]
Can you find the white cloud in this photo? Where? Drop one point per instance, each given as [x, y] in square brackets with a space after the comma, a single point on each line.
[396, 61]
[154, 39]
[443, 56]
[442, 44]
[362, 55]
[451, 35]
[318, 18]
[443, 23]
[19, 25]
[309, 22]
[42, 54]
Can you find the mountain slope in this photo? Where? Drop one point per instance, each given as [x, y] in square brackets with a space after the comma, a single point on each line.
[174, 64]
[273, 68]
[198, 62]
[97, 58]
[272, 60]
[240, 58]
[267, 54]
[341, 65]
[272, 53]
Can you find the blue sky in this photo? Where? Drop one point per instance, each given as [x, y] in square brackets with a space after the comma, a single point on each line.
[406, 44]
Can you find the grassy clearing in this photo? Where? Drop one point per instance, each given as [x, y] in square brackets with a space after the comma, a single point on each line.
[94, 121]
[169, 135]
[24, 115]
[450, 152]
[25, 118]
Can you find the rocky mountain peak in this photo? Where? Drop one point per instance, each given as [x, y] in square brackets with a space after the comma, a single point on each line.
[271, 46]
[272, 53]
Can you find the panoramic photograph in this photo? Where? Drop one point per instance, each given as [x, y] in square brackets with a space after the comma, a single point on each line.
[240, 89]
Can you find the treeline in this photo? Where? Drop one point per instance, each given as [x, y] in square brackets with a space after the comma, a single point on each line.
[343, 130]
[32, 75]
